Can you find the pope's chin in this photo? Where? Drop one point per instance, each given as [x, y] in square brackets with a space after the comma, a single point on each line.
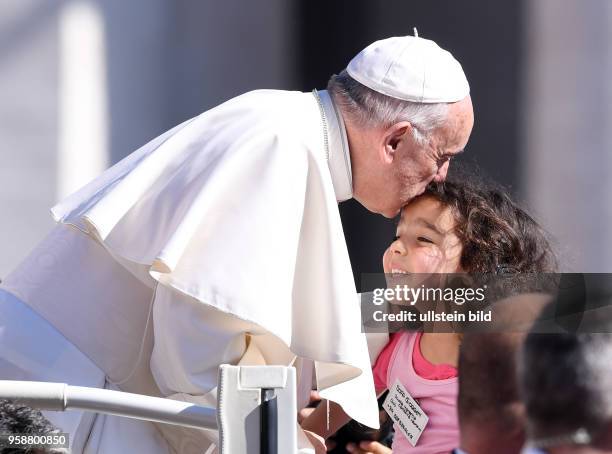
[387, 212]
[384, 211]
[391, 213]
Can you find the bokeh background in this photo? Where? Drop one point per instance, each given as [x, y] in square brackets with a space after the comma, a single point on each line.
[85, 82]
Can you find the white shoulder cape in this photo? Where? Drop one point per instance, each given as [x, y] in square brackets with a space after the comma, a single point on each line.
[236, 208]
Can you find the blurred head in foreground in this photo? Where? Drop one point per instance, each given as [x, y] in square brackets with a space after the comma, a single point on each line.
[566, 381]
[491, 414]
[18, 419]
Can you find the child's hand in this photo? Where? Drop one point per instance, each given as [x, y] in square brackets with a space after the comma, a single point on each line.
[305, 412]
[317, 442]
[368, 447]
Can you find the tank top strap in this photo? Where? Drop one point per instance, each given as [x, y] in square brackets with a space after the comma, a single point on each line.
[401, 359]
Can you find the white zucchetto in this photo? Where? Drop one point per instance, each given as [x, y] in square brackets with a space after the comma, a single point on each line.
[410, 68]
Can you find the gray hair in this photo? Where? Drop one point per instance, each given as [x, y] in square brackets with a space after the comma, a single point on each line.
[566, 386]
[369, 108]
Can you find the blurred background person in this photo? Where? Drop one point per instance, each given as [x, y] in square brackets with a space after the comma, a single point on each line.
[491, 413]
[566, 382]
[491, 416]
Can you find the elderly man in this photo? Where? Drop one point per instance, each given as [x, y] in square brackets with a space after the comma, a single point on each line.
[220, 242]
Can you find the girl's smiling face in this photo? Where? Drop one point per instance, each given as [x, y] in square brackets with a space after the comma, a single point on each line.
[426, 241]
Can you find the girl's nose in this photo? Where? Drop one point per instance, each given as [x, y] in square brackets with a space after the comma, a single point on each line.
[397, 247]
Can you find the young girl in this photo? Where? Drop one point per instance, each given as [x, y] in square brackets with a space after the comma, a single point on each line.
[451, 228]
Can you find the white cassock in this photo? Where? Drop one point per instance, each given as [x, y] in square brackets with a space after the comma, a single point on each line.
[218, 242]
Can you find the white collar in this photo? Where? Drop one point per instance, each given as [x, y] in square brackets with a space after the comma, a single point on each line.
[339, 158]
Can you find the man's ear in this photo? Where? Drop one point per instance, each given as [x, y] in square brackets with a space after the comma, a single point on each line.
[395, 137]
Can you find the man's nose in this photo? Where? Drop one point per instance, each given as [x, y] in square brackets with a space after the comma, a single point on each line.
[442, 171]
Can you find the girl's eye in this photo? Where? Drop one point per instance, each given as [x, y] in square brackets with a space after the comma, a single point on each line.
[423, 239]
[396, 237]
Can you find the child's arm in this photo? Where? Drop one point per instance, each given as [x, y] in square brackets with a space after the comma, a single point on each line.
[317, 420]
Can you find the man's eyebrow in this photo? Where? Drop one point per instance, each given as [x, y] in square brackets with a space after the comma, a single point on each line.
[428, 225]
[451, 155]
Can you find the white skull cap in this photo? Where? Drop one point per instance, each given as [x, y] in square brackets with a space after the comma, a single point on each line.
[410, 68]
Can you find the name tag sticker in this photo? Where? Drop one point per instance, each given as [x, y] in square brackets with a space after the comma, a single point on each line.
[405, 412]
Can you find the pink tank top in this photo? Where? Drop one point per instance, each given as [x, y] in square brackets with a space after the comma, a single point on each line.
[437, 398]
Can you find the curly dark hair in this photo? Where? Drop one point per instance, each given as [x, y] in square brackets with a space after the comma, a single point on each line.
[495, 232]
